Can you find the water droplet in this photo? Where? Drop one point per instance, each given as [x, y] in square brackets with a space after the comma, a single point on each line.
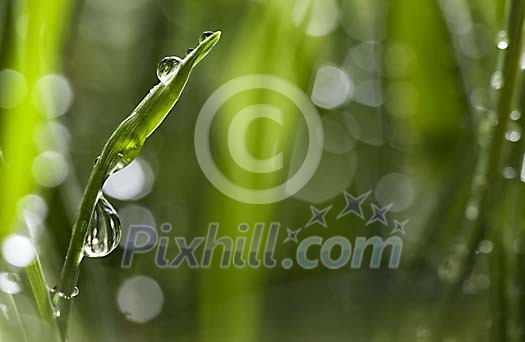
[104, 231]
[497, 80]
[124, 158]
[189, 51]
[472, 212]
[515, 115]
[513, 134]
[519, 246]
[204, 36]
[509, 172]
[485, 247]
[55, 293]
[97, 160]
[166, 68]
[502, 40]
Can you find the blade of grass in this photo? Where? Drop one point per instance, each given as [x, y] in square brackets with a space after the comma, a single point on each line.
[122, 148]
[33, 54]
[40, 291]
[486, 179]
[492, 133]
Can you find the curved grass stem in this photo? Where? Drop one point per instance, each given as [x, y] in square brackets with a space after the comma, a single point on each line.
[122, 148]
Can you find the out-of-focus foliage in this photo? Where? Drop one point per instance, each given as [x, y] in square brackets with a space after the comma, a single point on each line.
[405, 89]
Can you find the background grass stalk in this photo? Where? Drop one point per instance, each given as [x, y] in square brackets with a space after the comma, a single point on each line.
[511, 72]
[489, 164]
[505, 102]
[487, 175]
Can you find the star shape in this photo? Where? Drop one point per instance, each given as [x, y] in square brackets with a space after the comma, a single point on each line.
[292, 235]
[353, 204]
[318, 216]
[379, 214]
[399, 227]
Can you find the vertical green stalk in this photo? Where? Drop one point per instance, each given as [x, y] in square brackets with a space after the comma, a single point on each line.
[33, 52]
[231, 300]
[492, 134]
[486, 183]
[517, 159]
[510, 73]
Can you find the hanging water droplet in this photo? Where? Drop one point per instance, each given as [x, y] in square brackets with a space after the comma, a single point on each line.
[189, 51]
[515, 115]
[502, 40]
[513, 134]
[497, 80]
[205, 35]
[125, 157]
[55, 293]
[166, 67]
[104, 231]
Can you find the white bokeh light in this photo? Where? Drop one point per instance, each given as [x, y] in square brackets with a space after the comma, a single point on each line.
[54, 94]
[332, 87]
[366, 56]
[50, 169]
[8, 284]
[18, 250]
[133, 182]
[369, 93]
[135, 215]
[140, 299]
[32, 203]
[334, 174]
[32, 210]
[323, 16]
[397, 189]
[338, 138]
[52, 135]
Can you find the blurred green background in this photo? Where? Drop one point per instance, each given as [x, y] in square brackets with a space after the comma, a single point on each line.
[406, 91]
